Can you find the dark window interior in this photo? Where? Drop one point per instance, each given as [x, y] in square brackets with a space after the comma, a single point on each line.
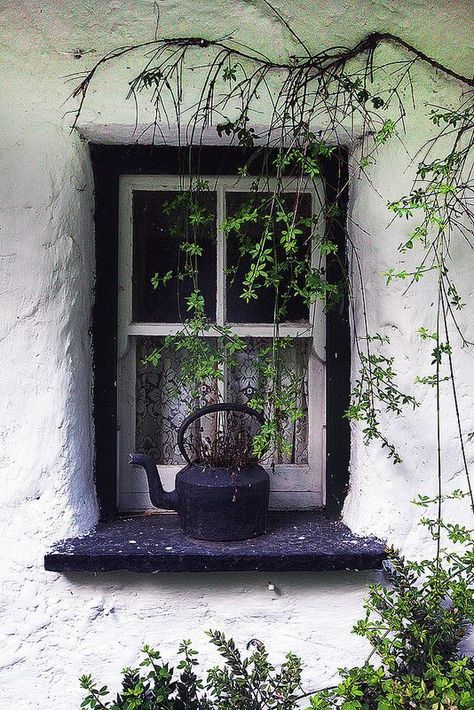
[156, 251]
[261, 310]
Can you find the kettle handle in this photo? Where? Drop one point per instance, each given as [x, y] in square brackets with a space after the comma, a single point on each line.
[223, 407]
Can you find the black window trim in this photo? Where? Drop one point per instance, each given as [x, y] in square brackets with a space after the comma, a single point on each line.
[111, 161]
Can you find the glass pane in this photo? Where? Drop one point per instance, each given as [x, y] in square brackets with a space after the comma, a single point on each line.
[246, 381]
[261, 310]
[162, 403]
[161, 226]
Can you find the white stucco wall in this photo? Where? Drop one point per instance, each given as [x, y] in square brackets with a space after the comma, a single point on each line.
[55, 627]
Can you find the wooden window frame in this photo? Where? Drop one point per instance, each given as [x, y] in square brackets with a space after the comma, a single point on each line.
[109, 163]
[294, 486]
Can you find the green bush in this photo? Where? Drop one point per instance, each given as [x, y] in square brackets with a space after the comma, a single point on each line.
[369, 688]
[242, 683]
[415, 625]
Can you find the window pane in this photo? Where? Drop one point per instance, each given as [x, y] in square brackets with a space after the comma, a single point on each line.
[162, 403]
[246, 381]
[261, 310]
[158, 238]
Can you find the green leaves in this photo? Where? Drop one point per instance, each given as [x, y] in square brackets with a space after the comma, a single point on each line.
[192, 248]
[246, 137]
[317, 288]
[384, 133]
[414, 625]
[241, 683]
[281, 256]
[451, 117]
[290, 234]
[280, 244]
[205, 358]
[279, 396]
[454, 298]
[252, 683]
[419, 234]
[94, 699]
[230, 72]
[425, 334]
[307, 159]
[436, 690]
[157, 281]
[195, 302]
[403, 275]
[376, 390]
[234, 223]
[438, 352]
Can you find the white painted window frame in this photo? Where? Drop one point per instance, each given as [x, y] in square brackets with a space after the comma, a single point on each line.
[294, 486]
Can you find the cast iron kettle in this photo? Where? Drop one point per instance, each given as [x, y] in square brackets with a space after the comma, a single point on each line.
[213, 503]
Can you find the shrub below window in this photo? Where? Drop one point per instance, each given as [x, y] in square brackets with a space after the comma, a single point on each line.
[242, 683]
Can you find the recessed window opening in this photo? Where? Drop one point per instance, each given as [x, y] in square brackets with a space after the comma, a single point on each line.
[151, 401]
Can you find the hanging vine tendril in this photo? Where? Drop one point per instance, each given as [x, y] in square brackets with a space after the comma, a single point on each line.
[317, 102]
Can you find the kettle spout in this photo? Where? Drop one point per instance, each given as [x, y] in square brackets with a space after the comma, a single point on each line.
[158, 496]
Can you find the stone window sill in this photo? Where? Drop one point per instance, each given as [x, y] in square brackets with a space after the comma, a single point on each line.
[296, 542]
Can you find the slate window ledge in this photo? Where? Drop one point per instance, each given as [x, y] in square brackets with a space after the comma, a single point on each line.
[296, 542]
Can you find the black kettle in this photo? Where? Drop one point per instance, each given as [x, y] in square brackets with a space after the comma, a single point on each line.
[213, 503]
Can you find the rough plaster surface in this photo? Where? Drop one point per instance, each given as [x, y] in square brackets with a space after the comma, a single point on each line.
[55, 627]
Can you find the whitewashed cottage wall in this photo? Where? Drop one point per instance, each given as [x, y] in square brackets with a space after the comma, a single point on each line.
[53, 626]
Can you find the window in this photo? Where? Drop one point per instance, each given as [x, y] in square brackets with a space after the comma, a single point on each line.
[115, 164]
[150, 407]
[298, 540]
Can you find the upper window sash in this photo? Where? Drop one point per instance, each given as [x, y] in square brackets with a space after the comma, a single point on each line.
[221, 185]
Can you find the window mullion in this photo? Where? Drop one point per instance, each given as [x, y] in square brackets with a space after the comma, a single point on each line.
[221, 279]
[221, 257]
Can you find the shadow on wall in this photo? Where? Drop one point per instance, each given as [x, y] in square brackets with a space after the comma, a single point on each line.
[289, 611]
